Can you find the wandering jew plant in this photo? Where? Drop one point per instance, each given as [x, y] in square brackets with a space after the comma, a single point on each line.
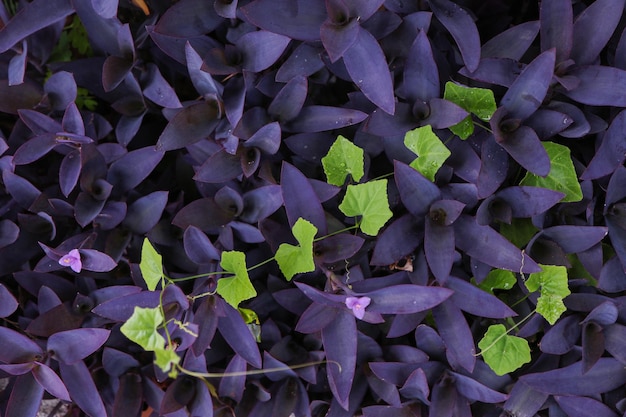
[313, 208]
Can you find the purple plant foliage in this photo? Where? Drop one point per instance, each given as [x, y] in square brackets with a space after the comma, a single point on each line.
[201, 125]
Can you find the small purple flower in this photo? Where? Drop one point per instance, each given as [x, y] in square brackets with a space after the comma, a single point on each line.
[72, 259]
[357, 305]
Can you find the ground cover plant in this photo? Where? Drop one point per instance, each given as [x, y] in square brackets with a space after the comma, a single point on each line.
[313, 208]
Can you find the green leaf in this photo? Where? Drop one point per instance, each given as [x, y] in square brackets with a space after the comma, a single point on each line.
[502, 352]
[562, 176]
[151, 265]
[292, 259]
[498, 279]
[165, 359]
[370, 201]
[479, 101]
[141, 328]
[343, 158]
[551, 281]
[238, 288]
[431, 152]
[519, 232]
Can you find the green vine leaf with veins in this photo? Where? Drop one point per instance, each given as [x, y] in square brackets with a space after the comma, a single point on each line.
[430, 150]
[343, 158]
[370, 201]
[292, 259]
[237, 288]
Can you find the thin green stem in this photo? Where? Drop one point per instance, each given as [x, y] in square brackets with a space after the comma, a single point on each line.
[252, 372]
[356, 226]
[260, 264]
[382, 176]
[482, 126]
[519, 323]
[192, 277]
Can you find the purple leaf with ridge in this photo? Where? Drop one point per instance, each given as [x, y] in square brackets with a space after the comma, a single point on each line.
[131, 169]
[301, 201]
[300, 20]
[69, 172]
[189, 18]
[288, 102]
[340, 32]
[524, 401]
[337, 248]
[61, 90]
[23, 96]
[33, 17]
[38, 122]
[16, 347]
[475, 301]
[204, 214]
[340, 343]
[304, 61]
[17, 66]
[313, 119]
[261, 49]
[416, 386]
[129, 396]
[219, 167]
[260, 203]
[190, 125]
[232, 387]
[74, 345]
[368, 68]
[105, 8]
[612, 151]
[612, 276]
[82, 389]
[238, 336]
[443, 397]
[494, 167]
[121, 308]
[421, 75]
[226, 8]
[50, 381]
[574, 405]
[547, 123]
[8, 303]
[499, 71]
[557, 27]
[488, 246]
[406, 299]
[158, 90]
[266, 139]
[529, 89]
[22, 191]
[416, 191]
[398, 239]
[574, 239]
[561, 338]
[577, 123]
[315, 318]
[529, 201]
[615, 337]
[144, 213]
[475, 391]
[593, 28]
[174, 45]
[513, 42]
[439, 248]
[456, 335]
[96, 261]
[25, 397]
[606, 375]
[462, 28]
[524, 146]
[198, 247]
[599, 86]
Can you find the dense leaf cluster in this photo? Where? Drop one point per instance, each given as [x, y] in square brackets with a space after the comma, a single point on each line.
[313, 208]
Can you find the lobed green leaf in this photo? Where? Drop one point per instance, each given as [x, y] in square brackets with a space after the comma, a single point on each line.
[502, 352]
[479, 101]
[370, 201]
[292, 259]
[151, 265]
[552, 284]
[431, 152]
[343, 158]
[141, 327]
[237, 288]
[498, 279]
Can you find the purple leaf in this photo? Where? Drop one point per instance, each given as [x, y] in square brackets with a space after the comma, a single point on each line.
[9, 233]
[219, 167]
[488, 246]
[574, 239]
[189, 18]
[96, 261]
[233, 387]
[499, 71]
[61, 90]
[494, 167]
[612, 151]
[337, 248]
[416, 191]
[599, 86]
[129, 396]
[17, 66]
[612, 276]
[524, 401]
[158, 90]
[547, 123]
[260, 203]
[304, 61]
[198, 247]
[513, 42]
[288, 102]
[368, 68]
[475, 391]
[16, 347]
[456, 335]
[23, 192]
[529, 201]
[25, 398]
[529, 89]
[82, 388]
[398, 239]
[202, 80]
[204, 214]
[189, 125]
[120, 309]
[340, 343]
[462, 28]
[23, 96]
[406, 299]
[105, 8]
[72, 346]
[33, 17]
[606, 375]
[267, 138]
[421, 75]
[615, 337]
[260, 49]
[144, 213]
[340, 32]
[573, 406]
[593, 29]
[416, 386]
[524, 146]
[303, 203]
[557, 25]
[300, 20]
[561, 337]
[50, 381]
[439, 248]
[313, 119]
[315, 318]
[128, 171]
[226, 8]
[442, 114]
[475, 301]
[8, 303]
[238, 336]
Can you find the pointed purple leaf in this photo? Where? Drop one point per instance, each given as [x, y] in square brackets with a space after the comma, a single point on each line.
[547, 123]
[368, 68]
[26, 396]
[612, 151]
[198, 247]
[105, 8]
[33, 17]
[340, 343]
[8, 303]
[129, 396]
[612, 276]
[61, 90]
[303, 202]
[475, 301]
[524, 146]
[260, 49]
[606, 375]
[304, 61]
[96, 261]
[439, 248]
[266, 139]
[488, 246]
[557, 23]
[456, 335]
[23, 96]
[416, 191]
[131, 169]
[599, 86]
[529, 201]
[51, 382]
[313, 119]
[232, 387]
[144, 213]
[219, 167]
[204, 214]
[462, 28]
[398, 239]
[190, 125]
[238, 336]
[529, 89]
[17, 66]
[561, 337]
[189, 18]
[82, 388]
[416, 386]
[406, 299]
[524, 401]
[511, 43]
[475, 391]
[74, 345]
[579, 406]
[421, 75]
[260, 203]
[494, 167]
[121, 308]
[9, 232]
[574, 239]
[593, 29]
[338, 37]
[499, 71]
[315, 318]
[615, 338]
[22, 191]
[16, 347]
[300, 20]
[337, 248]
[288, 102]
[201, 80]
[158, 90]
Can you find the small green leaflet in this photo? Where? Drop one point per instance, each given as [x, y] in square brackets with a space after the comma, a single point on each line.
[292, 259]
[502, 352]
[498, 279]
[343, 158]
[238, 288]
[151, 265]
[370, 201]
[165, 359]
[552, 283]
[562, 176]
[431, 152]
[141, 328]
[479, 101]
